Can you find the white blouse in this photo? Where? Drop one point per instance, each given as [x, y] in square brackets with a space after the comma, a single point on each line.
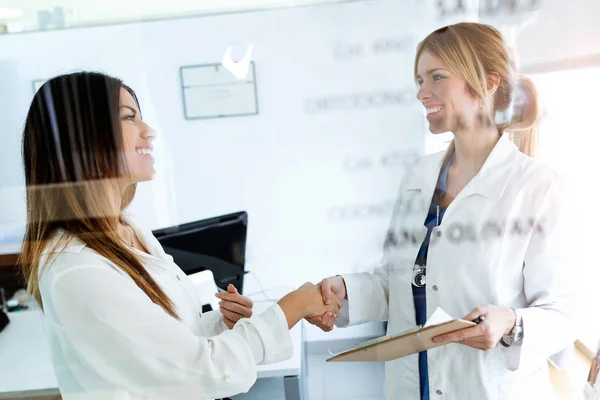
[108, 340]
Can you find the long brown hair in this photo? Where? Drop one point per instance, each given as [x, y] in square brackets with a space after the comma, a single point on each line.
[473, 51]
[74, 164]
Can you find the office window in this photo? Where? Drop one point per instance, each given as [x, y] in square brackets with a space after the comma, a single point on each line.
[570, 143]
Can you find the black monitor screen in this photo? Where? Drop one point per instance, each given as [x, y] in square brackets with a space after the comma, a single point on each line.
[218, 244]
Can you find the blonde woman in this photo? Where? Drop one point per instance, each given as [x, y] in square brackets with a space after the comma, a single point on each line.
[123, 321]
[477, 231]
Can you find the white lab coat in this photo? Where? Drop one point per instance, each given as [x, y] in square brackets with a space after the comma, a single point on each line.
[501, 242]
[108, 340]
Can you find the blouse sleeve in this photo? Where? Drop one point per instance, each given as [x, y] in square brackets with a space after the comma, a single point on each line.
[132, 343]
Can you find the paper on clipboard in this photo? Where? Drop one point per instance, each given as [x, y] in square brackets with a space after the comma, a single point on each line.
[439, 316]
[401, 344]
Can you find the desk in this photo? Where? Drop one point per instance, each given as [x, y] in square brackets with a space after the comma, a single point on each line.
[26, 367]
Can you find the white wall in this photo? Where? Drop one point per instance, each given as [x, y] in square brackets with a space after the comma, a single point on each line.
[569, 29]
[553, 30]
[294, 171]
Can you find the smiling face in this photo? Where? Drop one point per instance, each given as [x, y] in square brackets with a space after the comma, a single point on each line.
[137, 139]
[449, 103]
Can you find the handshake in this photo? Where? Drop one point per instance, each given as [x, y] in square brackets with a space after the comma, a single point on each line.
[319, 304]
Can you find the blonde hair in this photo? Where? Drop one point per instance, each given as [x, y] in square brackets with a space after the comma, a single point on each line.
[73, 158]
[473, 52]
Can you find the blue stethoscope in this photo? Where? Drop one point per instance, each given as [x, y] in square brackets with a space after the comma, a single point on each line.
[419, 271]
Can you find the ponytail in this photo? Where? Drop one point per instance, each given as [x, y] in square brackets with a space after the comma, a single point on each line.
[523, 124]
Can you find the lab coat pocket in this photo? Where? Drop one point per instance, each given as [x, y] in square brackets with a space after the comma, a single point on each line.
[526, 387]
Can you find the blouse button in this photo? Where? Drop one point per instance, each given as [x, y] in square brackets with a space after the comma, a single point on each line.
[438, 233]
[435, 288]
[438, 392]
[227, 378]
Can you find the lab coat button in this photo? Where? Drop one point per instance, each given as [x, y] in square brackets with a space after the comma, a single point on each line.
[438, 392]
[227, 378]
[438, 233]
[435, 288]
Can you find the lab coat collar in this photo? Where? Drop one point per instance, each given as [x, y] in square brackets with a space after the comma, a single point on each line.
[490, 181]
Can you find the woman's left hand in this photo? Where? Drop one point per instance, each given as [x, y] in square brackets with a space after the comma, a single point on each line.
[499, 321]
[234, 306]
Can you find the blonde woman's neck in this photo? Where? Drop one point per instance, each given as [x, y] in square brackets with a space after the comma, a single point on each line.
[471, 149]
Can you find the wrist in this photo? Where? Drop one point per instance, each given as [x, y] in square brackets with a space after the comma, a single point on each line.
[515, 333]
[293, 307]
[512, 320]
[303, 303]
[345, 288]
[300, 302]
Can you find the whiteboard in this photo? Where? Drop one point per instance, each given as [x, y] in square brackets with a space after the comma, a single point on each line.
[211, 91]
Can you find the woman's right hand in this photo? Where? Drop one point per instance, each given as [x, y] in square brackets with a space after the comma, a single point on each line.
[315, 303]
[307, 302]
[333, 290]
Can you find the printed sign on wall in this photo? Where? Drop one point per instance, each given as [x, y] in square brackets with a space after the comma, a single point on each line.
[212, 91]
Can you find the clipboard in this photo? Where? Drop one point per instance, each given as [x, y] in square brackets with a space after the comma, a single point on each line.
[387, 348]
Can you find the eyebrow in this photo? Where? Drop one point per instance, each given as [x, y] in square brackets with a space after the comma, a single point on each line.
[133, 110]
[430, 71]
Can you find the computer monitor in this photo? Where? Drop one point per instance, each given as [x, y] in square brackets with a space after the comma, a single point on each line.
[217, 244]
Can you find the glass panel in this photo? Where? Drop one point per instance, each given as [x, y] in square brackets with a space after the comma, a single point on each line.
[273, 143]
